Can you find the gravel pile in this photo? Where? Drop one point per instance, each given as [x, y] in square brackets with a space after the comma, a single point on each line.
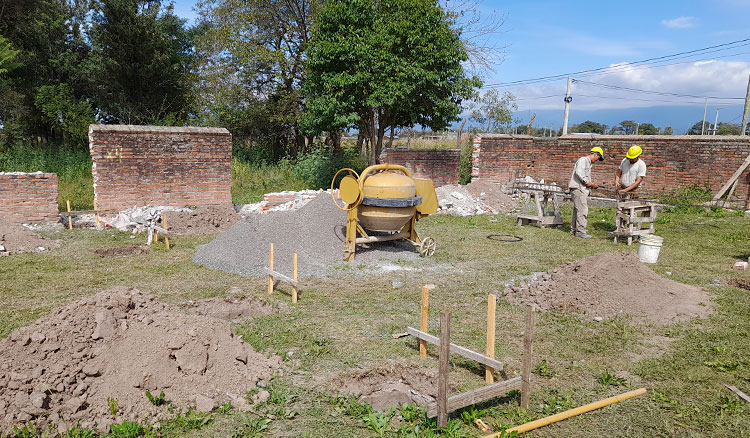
[315, 232]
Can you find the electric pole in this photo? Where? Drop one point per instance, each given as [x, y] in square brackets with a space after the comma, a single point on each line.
[747, 106]
[703, 126]
[567, 107]
[716, 120]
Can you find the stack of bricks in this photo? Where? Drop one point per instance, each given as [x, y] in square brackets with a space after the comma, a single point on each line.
[439, 165]
[28, 197]
[157, 165]
[672, 161]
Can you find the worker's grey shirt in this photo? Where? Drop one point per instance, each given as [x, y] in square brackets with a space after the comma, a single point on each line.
[631, 172]
[581, 175]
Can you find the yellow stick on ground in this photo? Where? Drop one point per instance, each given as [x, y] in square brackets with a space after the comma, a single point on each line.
[294, 277]
[571, 413]
[96, 213]
[164, 225]
[70, 219]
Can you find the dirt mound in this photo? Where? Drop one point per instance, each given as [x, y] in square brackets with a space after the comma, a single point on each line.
[121, 251]
[390, 386]
[230, 308]
[607, 285]
[101, 354]
[15, 238]
[202, 220]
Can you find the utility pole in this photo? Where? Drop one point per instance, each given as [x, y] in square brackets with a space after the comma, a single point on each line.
[716, 120]
[567, 107]
[637, 125]
[703, 126]
[747, 106]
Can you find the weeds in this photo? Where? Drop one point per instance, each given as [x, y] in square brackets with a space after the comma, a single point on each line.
[468, 415]
[379, 422]
[156, 401]
[130, 429]
[251, 427]
[28, 430]
[113, 405]
[350, 406]
[78, 432]
[543, 370]
[186, 422]
[607, 379]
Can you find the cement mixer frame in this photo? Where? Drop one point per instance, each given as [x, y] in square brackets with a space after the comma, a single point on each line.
[381, 209]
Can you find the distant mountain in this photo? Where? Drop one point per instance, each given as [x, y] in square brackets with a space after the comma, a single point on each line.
[680, 118]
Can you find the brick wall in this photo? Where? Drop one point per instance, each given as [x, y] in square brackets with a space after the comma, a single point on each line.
[672, 161]
[440, 165]
[156, 165]
[28, 197]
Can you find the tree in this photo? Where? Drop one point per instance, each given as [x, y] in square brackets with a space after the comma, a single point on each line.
[141, 62]
[494, 110]
[66, 114]
[387, 64]
[698, 128]
[668, 131]
[250, 61]
[728, 129]
[628, 127]
[647, 129]
[589, 126]
[7, 56]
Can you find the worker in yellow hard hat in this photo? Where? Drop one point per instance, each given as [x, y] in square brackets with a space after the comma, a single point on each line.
[631, 172]
[580, 186]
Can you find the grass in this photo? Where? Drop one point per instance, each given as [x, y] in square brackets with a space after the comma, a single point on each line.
[251, 181]
[345, 323]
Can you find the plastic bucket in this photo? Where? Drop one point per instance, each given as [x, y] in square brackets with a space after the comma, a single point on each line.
[649, 247]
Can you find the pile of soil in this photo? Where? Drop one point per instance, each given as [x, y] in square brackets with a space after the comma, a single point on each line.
[202, 220]
[104, 352]
[15, 238]
[607, 285]
[391, 386]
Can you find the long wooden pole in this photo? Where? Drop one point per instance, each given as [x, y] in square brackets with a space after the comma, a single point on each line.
[164, 224]
[489, 372]
[294, 277]
[442, 400]
[270, 266]
[526, 371]
[570, 413]
[70, 219]
[424, 309]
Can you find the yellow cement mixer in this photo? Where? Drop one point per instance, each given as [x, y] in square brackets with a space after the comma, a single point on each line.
[383, 204]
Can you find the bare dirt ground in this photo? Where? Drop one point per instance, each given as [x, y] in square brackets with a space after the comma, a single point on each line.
[608, 285]
[93, 361]
[202, 220]
[232, 307]
[16, 238]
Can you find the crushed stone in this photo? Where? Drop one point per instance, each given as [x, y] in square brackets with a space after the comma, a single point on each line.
[607, 285]
[68, 367]
[316, 232]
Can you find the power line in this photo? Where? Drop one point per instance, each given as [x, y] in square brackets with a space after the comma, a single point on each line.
[734, 44]
[660, 93]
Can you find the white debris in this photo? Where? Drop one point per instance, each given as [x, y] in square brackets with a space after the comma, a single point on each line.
[280, 201]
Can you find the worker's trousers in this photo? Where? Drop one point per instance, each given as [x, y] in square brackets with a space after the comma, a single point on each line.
[580, 220]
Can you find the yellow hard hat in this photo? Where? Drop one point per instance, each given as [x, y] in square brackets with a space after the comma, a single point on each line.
[599, 151]
[634, 152]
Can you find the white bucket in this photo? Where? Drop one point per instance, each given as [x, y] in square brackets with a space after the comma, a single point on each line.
[649, 247]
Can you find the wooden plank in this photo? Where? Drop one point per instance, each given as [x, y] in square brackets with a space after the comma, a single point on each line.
[295, 289]
[734, 177]
[70, 219]
[282, 277]
[457, 349]
[424, 309]
[489, 372]
[442, 398]
[270, 268]
[479, 395]
[528, 336]
[739, 393]
[164, 222]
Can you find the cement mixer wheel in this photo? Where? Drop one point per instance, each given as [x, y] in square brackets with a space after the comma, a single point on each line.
[427, 247]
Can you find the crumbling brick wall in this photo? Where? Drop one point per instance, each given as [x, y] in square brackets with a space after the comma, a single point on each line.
[28, 197]
[158, 165]
[440, 165]
[673, 161]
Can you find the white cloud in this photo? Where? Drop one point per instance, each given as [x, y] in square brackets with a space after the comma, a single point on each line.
[702, 78]
[679, 22]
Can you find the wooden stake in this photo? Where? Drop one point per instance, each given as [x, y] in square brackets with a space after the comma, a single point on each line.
[526, 371]
[96, 213]
[489, 372]
[294, 277]
[70, 219]
[270, 266]
[442, 399]
[164, 225]
[423, 319]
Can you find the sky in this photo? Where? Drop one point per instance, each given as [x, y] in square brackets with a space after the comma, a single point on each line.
[547, 38]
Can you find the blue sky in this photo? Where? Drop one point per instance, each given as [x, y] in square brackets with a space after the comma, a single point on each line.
[543, 38]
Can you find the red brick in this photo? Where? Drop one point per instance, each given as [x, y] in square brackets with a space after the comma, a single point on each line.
[28, 197]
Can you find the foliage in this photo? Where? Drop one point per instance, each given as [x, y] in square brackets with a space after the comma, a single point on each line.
[79, 432]
[589, 126]
[319, 166]
[494, 110]
[379, 422]
[130, 429]
[113, 405]
[465, 162]
[185, 422]
[7, 56]
[28, 430]
[351, 406]
[139, 69]
[156, 400]
[728, 129]
[379, 65]
[251, 427]
[607, 379]
[469, 414]
[63, 112]
[647, 129]
[542, 369]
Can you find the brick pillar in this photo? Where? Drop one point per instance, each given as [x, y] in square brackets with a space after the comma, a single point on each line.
[476, 148]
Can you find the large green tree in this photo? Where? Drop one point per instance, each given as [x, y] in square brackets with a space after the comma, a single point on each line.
[589, 127]
[494, 110]
[386, 64]
[140, 68]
